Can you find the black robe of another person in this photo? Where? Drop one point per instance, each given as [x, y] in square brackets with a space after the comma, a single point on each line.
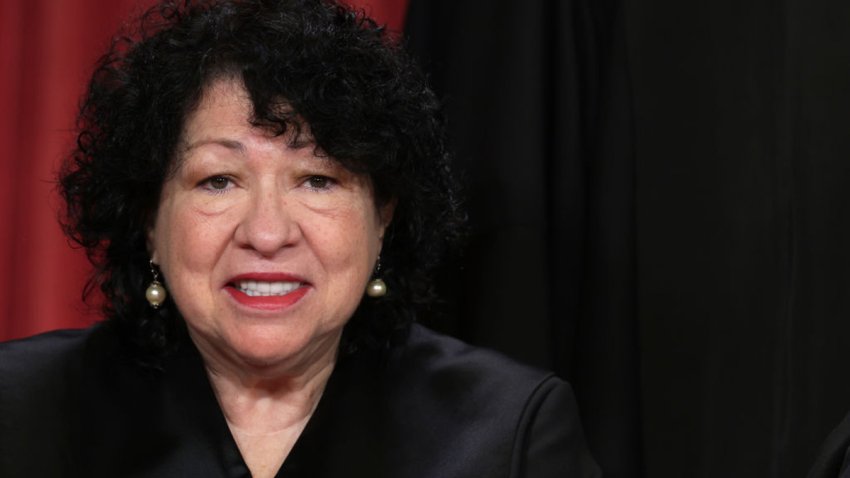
[833, 460]
[431, 407]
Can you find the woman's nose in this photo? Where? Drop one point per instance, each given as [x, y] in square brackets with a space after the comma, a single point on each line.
[267, 223]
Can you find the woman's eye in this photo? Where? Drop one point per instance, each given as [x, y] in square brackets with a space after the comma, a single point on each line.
[319, 182]
[216, 183]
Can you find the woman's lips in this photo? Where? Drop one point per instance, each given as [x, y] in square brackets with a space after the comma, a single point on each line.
[267, 291]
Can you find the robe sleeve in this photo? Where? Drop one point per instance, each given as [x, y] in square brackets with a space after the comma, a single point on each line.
[550, 440]
[832, 458]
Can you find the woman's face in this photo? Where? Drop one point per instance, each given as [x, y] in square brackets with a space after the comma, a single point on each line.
[265, 248]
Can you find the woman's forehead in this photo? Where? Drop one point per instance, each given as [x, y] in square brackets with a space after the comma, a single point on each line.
[223, 105]
[225, 116]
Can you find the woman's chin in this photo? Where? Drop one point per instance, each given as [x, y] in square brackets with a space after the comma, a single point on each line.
[260, 348]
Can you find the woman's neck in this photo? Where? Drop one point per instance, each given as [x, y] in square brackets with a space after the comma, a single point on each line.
[267, 407]
[260, 400]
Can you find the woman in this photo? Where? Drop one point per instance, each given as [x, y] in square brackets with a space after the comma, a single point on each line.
[245, 171]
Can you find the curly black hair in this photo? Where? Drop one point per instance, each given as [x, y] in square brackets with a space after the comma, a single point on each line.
[333, 69]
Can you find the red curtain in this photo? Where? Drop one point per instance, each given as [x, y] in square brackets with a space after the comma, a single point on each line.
[47, 49]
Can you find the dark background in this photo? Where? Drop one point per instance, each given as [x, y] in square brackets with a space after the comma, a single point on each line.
[659, 198]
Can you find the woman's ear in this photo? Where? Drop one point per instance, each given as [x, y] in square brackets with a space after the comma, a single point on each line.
[151, 244]
[385, 215]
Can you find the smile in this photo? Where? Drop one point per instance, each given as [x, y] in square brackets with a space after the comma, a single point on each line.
[254, 288]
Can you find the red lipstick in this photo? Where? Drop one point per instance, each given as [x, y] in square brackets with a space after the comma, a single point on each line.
[267, 302]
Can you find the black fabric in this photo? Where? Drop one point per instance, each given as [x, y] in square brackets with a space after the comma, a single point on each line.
[71, 406]
[538, 107]
[742, 156]
[659, 200]
[832, 462]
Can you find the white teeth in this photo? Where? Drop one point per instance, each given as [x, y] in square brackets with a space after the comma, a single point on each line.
[253, 288]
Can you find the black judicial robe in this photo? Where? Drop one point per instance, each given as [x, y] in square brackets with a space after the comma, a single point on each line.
[433, 407]
[834, 458]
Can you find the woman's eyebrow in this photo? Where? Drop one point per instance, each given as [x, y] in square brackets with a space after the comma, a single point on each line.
[227, 143]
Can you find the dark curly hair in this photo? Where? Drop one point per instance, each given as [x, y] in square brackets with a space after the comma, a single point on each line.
[332, 69]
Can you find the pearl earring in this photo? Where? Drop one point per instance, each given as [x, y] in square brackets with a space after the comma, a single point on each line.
[376, 287]
[155, 293]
